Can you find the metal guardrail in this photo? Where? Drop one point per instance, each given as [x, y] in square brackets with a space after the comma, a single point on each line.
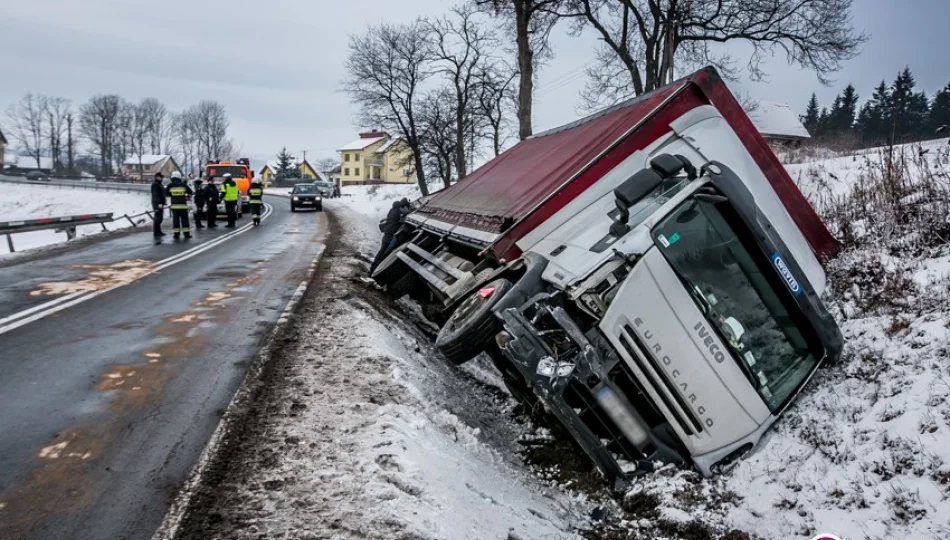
[66, 224]
[81, 184]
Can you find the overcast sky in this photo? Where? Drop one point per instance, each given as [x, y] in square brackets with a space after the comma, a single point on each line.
[277, 65]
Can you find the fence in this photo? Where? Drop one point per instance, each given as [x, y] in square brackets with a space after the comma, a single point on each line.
[81, 184]
[66, 224]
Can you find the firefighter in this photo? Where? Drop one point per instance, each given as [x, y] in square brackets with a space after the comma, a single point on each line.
[158, 206]
[230, 194]
[179, 191]
[212, 198]
[199, 203]
[256, 195]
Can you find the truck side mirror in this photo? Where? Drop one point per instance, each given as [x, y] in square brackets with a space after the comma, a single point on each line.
[669, 166]
[628, 193]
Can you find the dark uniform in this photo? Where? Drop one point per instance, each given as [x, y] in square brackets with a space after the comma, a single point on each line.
[199, 203]
[179, 191]
[158, 206]
[212, 198]
[229, 192]
[389, 229]
[256, 195]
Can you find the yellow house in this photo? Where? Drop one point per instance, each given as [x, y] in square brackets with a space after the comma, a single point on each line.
[376, 158]
[268, 173]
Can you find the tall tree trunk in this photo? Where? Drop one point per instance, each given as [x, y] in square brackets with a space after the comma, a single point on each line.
[525, 68]
[459, 133]
[70, 163]
[420, 172]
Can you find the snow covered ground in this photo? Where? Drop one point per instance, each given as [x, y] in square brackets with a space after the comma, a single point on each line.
[365, 433]
[21, 201]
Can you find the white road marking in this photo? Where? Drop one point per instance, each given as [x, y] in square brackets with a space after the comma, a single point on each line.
[45, 309]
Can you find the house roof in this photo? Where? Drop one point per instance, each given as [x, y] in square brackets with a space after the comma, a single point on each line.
[309, 166]
[147, 159]
[29, 162]
[269, 166]
[774, 119]
[360, 144]
[382, 149]
[2, 138]
[336, 170]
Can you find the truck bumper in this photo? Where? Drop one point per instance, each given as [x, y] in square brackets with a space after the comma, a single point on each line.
[589, 394]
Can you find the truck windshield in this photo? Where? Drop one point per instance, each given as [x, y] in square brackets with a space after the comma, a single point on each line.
[236, 171]
[741, 295]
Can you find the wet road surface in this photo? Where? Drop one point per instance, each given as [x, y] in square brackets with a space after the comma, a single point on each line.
[105, 405]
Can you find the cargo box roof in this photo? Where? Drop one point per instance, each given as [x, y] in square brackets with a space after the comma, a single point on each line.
[513, 183]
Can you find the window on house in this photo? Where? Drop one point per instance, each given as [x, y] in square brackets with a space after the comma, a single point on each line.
[356, 157]
[357, 171]
[346, 157]
[346, 172]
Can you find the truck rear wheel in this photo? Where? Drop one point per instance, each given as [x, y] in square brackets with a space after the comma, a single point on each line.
[473, 325]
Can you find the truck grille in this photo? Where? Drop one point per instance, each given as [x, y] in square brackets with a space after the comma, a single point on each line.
[661, 383]
[585, 405]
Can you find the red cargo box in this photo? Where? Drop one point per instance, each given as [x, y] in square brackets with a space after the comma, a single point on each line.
[518, 190]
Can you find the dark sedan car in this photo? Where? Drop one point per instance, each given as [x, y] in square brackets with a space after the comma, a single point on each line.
[305, 196]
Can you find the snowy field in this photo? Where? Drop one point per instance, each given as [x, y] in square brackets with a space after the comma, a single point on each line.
[34, 202]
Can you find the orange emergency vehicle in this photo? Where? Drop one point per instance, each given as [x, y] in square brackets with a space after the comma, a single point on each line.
[240, 172]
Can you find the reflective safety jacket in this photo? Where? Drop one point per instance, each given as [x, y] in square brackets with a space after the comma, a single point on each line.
[230, 191]
[256, 193]
[178, 191]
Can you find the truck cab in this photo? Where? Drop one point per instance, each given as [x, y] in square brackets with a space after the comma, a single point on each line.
[660, 297]
[240, 172]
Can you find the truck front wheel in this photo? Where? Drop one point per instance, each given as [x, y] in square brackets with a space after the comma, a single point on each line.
[473, 325]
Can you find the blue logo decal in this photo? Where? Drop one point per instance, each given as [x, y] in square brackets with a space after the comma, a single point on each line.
[786, 274]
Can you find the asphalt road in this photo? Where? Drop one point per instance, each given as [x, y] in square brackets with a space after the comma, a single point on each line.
[108, 397]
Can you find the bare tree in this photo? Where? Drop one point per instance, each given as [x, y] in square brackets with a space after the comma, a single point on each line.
[56, 109]
[186, 142]
[209, 121]
[385, 68]
[496, 99]
[531, 22]
[462, 51]
[27, 126]
[326, 165]
[70, 145]
[437, 138]
[157, 125]
[129, 134]
[97, 123]
[641, 39]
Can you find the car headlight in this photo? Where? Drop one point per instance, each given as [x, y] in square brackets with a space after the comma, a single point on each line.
[296, 198]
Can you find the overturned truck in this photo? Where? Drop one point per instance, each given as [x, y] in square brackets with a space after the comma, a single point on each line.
[650, 274]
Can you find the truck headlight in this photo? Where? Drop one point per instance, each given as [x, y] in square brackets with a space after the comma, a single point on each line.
[547, 367]
[563, 370]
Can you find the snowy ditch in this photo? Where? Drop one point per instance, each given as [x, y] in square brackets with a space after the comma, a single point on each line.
[366, 433]
[35, 201]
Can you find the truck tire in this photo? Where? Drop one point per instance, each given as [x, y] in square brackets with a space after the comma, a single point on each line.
[473, 325]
